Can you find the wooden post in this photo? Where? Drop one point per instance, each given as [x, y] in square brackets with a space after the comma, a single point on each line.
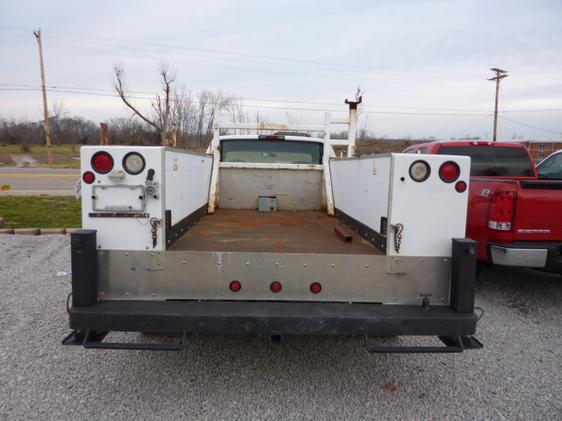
[104, 132]
[173, 133]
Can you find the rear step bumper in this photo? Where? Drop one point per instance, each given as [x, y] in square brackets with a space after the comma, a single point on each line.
[272, 318]
[92, 319]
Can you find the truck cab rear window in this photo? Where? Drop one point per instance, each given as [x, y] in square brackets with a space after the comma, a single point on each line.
[493, 161]
[271, 151]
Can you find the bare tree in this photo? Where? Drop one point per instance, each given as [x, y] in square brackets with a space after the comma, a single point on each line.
[217, 103]
[259, 118]
[183, 111]
[161, 104]
[210, 105]
[236, 110]
[293, 119]
[59, 110]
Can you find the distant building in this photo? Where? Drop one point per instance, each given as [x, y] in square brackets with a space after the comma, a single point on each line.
[540, 149]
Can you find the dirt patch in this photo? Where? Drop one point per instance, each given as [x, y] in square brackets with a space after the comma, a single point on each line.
[6, 158]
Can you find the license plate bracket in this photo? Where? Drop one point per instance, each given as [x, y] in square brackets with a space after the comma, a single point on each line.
[119, 198]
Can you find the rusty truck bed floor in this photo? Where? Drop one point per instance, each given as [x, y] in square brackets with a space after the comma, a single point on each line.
[275, 232]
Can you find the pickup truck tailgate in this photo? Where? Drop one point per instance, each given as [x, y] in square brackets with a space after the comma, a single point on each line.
[538, 215]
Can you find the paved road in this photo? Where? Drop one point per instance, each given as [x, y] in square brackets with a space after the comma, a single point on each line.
[32, 181]
[516, 376]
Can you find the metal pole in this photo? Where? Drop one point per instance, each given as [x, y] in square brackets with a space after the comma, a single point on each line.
[500, 74]
[46, 126]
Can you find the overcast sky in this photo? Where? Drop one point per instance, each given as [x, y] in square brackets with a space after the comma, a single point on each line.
[413, 59]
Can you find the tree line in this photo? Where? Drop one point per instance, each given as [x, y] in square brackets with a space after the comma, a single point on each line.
[175, 107]
[192, 114]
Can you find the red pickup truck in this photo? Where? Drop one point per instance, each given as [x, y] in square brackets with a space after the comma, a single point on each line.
[515, 216]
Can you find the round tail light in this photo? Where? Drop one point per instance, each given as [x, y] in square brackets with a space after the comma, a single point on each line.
[235, 286]
[315, 287]
[133, 163]
[102, 162]
[420, 171]
[275, 287]
[88, 177]
[449, 172]
[460, 186]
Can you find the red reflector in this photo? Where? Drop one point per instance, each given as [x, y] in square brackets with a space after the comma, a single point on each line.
[235, 286]
[500, 215]
[460, 186]
[102, 162]
[275, 287]
[315, 287]
[88, 177]
[449, 171]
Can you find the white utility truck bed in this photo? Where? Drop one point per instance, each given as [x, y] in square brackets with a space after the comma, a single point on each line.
[272, 234]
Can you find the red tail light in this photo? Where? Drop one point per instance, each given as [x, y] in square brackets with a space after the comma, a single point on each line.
[275, 287]
[315, 287]
[501, 211]
[460, 186]
[235, 286]
[89, 177]
[102, 162]
[449, 172]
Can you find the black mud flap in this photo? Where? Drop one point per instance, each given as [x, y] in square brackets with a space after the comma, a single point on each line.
[451, 345]
[94, 340]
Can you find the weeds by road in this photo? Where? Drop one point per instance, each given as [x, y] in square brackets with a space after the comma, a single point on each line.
[64, 156]
[40, 211]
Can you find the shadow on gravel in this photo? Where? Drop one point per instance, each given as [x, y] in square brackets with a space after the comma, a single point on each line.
[303, 371]
[525, 291]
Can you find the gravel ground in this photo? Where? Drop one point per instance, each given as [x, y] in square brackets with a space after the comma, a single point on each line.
[516, 375]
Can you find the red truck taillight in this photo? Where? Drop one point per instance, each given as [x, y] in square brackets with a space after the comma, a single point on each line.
[102, 162]
[501, 211]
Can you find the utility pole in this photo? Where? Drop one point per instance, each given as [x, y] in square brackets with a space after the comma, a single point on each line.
[500, 74]
[46, 126]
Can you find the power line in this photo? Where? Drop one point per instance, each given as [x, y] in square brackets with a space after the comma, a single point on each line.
[100, 94]
[290, 101]
[305, 109]
[365, 109]
[118, 49]
[531, 126]
[242, 54]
